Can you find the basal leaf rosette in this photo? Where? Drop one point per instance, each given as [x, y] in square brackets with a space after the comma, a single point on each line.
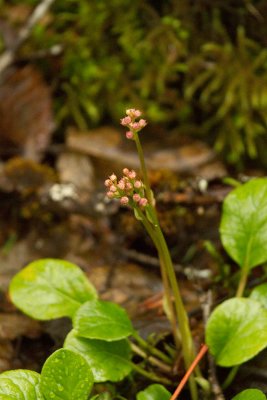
[50, 288]
[244, 223]
[237, 331]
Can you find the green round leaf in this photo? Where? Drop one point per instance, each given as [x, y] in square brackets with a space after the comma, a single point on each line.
[102, 320]
[109, 361]
[244, 223]
[236, 331]
[259, 293]
[20, 385]
[154, 392]
[250, 394]
[66, 376]
[50, 288]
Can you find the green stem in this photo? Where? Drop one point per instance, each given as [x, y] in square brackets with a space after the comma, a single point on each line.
[167, 291]
[151, 375]
[144, 170]
[151, 359]
[187, 340]
[242, 282]
[152, 350]
[230, 377]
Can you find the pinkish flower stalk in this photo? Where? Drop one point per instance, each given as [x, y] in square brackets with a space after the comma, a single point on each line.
[149, 219]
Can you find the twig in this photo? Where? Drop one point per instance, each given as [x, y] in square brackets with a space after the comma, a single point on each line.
[181, 385]
[215, 387]
[189, 271]
[9, 55]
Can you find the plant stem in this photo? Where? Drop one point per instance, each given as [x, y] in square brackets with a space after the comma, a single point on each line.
[144, 170]
[155, 232]
[152, 350]
[151, 359]
[242, 282]
[230, 377]
[151, 375]
[167, 291]
[187, 340]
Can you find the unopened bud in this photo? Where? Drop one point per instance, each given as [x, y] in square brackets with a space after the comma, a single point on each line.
[136, 197]
[121, 184]
[124, 200]
[126, 121]
[129, 135]
[113, 177]
[110, 195]
[125, 171]
[137, 184]
[132, 174]
[108, 182]
[113, 188]
[142, 123]
[143, 202]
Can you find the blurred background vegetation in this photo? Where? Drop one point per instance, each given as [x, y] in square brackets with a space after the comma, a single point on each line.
[197, 66]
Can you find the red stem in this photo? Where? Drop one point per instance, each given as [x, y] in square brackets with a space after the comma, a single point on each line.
[181, 385]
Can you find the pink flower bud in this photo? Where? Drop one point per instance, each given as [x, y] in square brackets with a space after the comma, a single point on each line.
[132, 174]
[134, 125]
[108, 182]
[124, 200]
[136, 197]
[137, 113]
[121, 184]
[133, 113]
[125, 171]
[142, 123]
[143, 202]
[137, 184]
[128, 185]
[110, 195]
[126, 121]
[130, 111]
[113, 188]
[113, 177]
[129, 135]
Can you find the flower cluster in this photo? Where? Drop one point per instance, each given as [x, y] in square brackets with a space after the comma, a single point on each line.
[130, 121]
[128, 189]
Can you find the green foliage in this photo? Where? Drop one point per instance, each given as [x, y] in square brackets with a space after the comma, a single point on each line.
[102, 320]
[244, 223]
[229, 82]
[20, 385]
[250, 394]
[259, 293]
[50, 288]
[66, 376]
[236, 331]
[154, 392]
[200, 68]
[109, 361]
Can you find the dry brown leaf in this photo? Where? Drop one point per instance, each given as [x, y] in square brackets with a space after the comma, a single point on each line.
[26, 120]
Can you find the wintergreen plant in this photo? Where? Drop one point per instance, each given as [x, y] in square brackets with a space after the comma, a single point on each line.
[100, 346]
